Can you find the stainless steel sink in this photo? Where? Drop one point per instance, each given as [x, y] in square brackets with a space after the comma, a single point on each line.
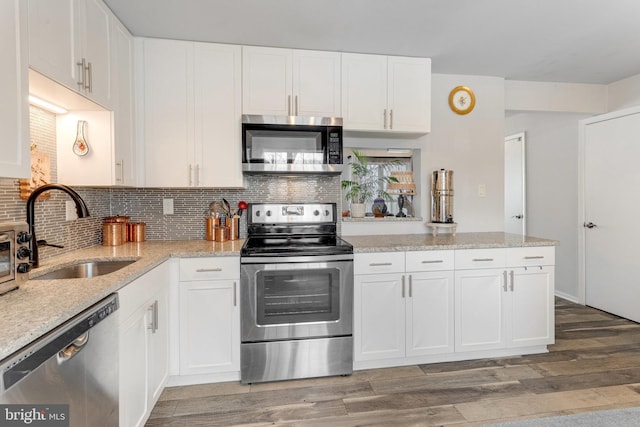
[84, 270]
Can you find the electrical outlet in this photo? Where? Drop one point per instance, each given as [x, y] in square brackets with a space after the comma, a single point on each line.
[70, 210]
[482, 190]
[167, 206]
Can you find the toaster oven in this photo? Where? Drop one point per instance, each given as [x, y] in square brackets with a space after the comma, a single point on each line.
[14, 255]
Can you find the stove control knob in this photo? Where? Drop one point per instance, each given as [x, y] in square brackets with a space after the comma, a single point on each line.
[257, 213]
[268, 213]
[316, 212]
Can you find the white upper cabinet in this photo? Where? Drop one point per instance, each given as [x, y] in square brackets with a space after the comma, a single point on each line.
[290, 82]
[381, 93]
[15, 160]
[70, 43]
[190, 114]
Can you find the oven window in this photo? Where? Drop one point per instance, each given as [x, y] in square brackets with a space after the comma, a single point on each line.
[5, 256]
[298, 296]
[284, 147]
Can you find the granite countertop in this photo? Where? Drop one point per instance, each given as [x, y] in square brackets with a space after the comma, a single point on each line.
[39, 306]
[425, 242]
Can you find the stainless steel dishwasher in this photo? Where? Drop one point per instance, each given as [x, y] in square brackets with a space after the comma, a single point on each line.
[75, 364]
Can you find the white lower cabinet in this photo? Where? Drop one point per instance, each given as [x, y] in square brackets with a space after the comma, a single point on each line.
[144, 344]
[209, 316]
[434, 306]
[506, 307]
[405, 312]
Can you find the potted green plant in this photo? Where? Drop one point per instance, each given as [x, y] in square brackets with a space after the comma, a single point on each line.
[365, 183]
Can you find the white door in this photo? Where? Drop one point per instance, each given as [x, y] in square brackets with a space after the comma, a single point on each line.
[514, 184]
[611, 178]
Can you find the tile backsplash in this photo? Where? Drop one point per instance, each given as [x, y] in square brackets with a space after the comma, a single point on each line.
[146, 204]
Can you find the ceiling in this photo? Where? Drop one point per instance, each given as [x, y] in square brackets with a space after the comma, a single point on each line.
[580, 41]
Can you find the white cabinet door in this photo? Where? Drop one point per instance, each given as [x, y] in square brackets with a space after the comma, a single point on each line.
[266, 80]
[53, 50]
[316, 83]
[532, 306]
[168, 113]
[15, 161]
[158, 344]
[191, 114]
[122, 100]
[378, 317]
[364, 91]
[133, 367]
[479, 309]
[290, 82]
[409, 94]
[217, 92]
[96, 50]
[64, 34]
[381, 93]
[430, 313]
[209, 327]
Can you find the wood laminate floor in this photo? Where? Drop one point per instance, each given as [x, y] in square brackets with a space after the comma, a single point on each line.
[594, 365]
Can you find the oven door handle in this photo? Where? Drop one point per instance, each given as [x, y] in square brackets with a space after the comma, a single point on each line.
[290, 259]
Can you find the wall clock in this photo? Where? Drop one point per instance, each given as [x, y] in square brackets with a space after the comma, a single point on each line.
[462, 100]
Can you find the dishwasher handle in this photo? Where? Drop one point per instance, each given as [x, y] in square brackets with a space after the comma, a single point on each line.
[63, 342]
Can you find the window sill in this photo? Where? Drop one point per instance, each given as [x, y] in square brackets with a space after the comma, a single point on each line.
[382, 219]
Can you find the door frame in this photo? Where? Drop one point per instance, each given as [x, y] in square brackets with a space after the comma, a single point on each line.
[582, 125]
[519, 136]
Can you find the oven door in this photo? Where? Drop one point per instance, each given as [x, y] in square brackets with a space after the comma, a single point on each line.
[296, 297]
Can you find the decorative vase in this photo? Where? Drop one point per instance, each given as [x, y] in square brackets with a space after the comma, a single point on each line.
[357, 210]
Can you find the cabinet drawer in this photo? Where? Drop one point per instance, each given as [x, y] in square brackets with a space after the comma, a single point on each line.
[538, 255]
[379, 262]
[210, 268]
[480, 258]
[429, 260]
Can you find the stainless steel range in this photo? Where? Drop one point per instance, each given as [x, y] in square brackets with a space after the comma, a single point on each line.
[296, 294]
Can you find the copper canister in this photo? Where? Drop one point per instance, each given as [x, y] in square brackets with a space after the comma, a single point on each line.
[119, 219]
[222, 233]
[112, 234]
[137, 231]
[210, 226]
[233, 224]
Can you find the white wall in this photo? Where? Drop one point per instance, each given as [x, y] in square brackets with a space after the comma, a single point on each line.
[552, 186]
[624, 93]
[470, 145]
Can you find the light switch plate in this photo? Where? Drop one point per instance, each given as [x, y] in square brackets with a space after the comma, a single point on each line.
[167, 206]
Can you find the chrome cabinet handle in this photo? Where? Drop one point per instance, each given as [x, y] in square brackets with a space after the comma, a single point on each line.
[89, 86]
[535, 257]
[511, 274]
[435, 261]
[82, 64]
[385, 118]
[154, 317]
[589, 225]
[379, 264]
[504, 286]
[289, 105]
[482, 259]
[235, 297]
[403, 286]
[190, 174]
[197, 175]
[391, 119]
[208, 270]
[296, 105]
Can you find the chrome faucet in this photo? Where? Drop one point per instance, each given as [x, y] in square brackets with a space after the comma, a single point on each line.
[81, 208]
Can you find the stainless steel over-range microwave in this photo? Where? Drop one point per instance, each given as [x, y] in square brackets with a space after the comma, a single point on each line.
[291, 144]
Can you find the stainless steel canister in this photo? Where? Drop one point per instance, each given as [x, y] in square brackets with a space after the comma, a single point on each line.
[442, 196]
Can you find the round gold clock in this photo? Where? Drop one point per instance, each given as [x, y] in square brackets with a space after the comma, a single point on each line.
[462, 100]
